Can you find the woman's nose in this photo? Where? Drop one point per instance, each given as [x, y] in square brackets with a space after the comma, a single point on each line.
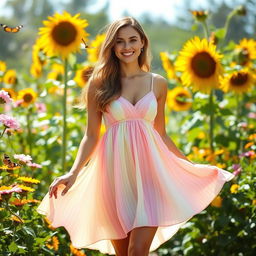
[126, 45]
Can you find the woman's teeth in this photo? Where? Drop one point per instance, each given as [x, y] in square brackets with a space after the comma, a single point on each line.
[127, 53]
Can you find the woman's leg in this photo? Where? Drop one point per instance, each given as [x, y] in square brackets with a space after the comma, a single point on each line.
[140, 241]
[121, 245]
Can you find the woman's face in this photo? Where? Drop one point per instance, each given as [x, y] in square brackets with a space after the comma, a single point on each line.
[128, 44]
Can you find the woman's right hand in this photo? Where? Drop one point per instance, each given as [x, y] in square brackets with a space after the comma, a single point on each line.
[67, 179]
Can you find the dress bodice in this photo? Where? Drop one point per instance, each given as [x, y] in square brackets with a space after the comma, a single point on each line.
[121, 109]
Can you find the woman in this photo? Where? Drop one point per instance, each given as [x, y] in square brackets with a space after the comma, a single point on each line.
[138, 189]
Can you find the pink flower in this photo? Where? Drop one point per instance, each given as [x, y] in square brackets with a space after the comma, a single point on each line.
[4, 97]
[237, 169]
[34, 165]
[9, 191]
[248, 153]
[17, 103]
[252, 115]
[9, 121]
[40, 107]
[23, 158]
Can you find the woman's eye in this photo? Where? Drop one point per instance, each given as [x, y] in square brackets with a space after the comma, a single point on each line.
[133, 40]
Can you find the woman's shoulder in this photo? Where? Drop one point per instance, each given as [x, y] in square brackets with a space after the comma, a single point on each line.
[159, 80]
[160, 84]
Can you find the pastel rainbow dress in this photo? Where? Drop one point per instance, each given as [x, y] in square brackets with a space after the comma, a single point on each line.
[132, 180]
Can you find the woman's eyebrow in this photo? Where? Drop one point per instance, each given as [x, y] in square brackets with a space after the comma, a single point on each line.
[129, 37]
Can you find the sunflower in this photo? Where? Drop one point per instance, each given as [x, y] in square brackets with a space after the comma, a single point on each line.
[82, 75]
[11, 92]
[28, 96]
[10, 77]
[57, 72]
[179, 99]
[245, 52]
[200, 65]
[62, 34]
[36, 70]
[94, 48]
[167, 65]
[238, 81]
[2, 67]
[200, 15]
[38, 55]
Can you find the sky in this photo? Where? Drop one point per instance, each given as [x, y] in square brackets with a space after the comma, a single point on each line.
[169, 10]
[166, 9]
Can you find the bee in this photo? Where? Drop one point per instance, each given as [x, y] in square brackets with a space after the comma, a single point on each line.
[7, 161]
[11, 30]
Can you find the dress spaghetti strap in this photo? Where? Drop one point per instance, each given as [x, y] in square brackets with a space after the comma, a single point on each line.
[152, 76]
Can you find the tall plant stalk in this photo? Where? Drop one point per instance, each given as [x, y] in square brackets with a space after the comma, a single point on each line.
[64, 105]
[211, 98]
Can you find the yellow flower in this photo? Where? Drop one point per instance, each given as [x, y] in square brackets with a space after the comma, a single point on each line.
[38, 56]
[221, 165]
[217, 201]
[82, 75]
[25, 188]
[29, 180]
[76, 252]
[11, 92]
[201, 135]
[16, 219]
[179, 99]
[28, 96]
[10, 77]
[200, 65]
[57, 72]
[167, 65]
[94, 48]
[238, 81]
[234, 188]
[249, 144]
[2, 67]
[245, 51]
[55, 243]
[62, 34]
[36, 70]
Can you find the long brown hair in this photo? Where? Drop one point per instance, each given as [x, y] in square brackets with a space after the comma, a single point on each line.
[107, 68]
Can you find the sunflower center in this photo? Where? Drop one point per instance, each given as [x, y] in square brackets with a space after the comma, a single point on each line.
[27, 97]
[239, 79]
[244, 56]
[181, 98]
[64, 33]
[203, 65]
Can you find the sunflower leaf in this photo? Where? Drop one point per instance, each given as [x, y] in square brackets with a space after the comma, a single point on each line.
[220, 33]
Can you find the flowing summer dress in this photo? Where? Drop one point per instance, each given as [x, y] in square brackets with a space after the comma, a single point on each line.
[132, 180]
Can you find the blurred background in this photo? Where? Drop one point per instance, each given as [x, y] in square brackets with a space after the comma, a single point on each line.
[168, 23]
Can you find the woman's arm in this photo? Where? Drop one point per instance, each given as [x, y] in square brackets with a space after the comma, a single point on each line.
[91, 136]
[159, 123]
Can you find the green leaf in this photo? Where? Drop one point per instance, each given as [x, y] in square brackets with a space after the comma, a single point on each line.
[13, 247]
[220, 33]
[29, 231]
[194, 27]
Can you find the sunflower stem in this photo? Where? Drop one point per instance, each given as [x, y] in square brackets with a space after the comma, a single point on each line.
[237, 122]
[206, 30]
[29, 131]
[227, 23]
[211, 119]
[211, 104]
[64, 116]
